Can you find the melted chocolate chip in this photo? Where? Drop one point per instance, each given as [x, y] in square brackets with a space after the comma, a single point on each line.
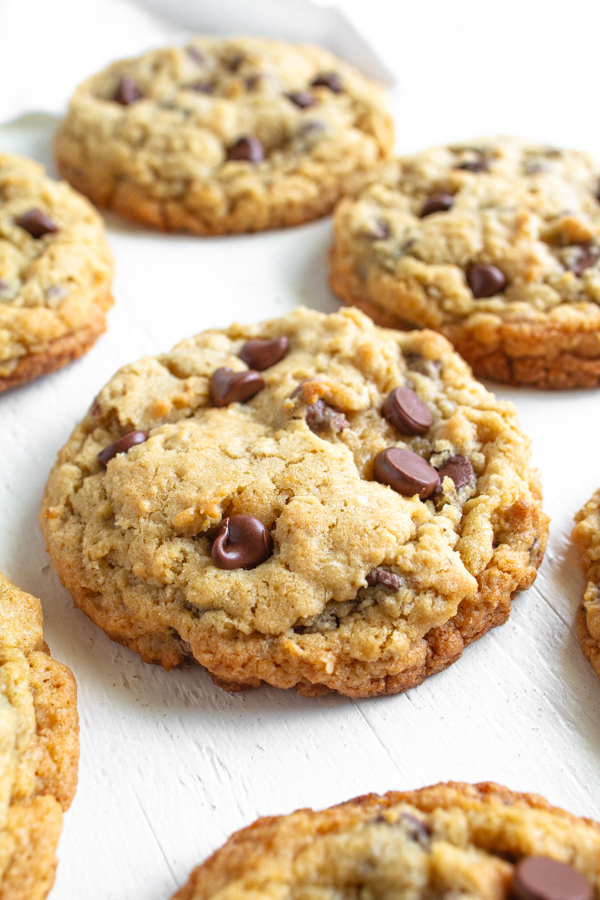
[485, 280]
[322, 417]
[253, 81]
[121, 446]
[418, 831]
[407, 412]
[203, 87]
[227, 386]
[379, 230]
[383, 576]
[241, 542]
[261, 353]
[329, 80]
[303, 99]
[196, 55]
[37, 223]
[127, 92]
[459, 469]
[248, 149]
[405, 472]
[235, 62]
[543, 878]
[436, 203]
[587, 258]
[474, 165]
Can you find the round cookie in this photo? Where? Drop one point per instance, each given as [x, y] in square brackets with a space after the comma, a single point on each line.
[39, 748]
[586, 535]
[224, 135]
[496, 244]
[451, 840]
[313, 502]
[55, 273]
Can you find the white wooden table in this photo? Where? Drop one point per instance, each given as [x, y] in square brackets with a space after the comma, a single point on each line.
[171, 764]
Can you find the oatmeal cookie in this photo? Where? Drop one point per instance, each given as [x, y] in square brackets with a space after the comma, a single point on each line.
[224, 135]
[313, 502]
[468, 842]
[586, 535]
[55, 273]
[39, 748]
[496, 244]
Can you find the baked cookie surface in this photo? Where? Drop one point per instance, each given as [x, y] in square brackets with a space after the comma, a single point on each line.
[586, 535]
[450, 840]
[39, 748]
[313, 501]
[496, 244]
[55, 273]
[225, 135]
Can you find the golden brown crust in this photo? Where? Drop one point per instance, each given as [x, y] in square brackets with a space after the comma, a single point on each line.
[486, 822]
[586, 536]
[39, 748]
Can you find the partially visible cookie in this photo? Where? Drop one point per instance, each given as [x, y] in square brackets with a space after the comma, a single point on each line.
[586, 535]
[39, 748]
[224, 135]
[313, 502]
[496, 244]
[55, 273]
[451, 840]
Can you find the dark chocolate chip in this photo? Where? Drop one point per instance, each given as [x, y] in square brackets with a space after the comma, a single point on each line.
[379, 230]
[436, 203]
[587, 258]
[261, 353]
[127, 92]
[235, 62]
[485, 280]
[405, 472]
[418, 831]
[95, 407]
[37, 223]
[303, 99]
[329, 80]
[407, 412]
[475, 165]
[241, 542]
[203, 87]
[227, 386]
[322, 417]
[196, 55]
[383, 576]
[248, 148]
[543, 878]
[459, 469]
[253, 81]
[122, 446]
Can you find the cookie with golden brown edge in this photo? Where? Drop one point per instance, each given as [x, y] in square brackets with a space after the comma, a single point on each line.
[313, 502]
[225, 135]
[586, 535]
[55, 273]
[455, 840]
[39, 748]
[496, 244]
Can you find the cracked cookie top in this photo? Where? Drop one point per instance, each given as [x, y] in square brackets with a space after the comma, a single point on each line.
[459, 841]
[224, 135]
[315, 521]
[55, 263]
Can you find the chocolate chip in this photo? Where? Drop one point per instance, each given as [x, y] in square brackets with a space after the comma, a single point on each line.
[37, 223]
[587, 258]
[235, 62]
[405, 472]
[253, 81]
[261, 353]
[329, 80]
[127, 92]
[485, 280]
[247, 148]
[241, 542]
[303, 99]
[196, 55]
[121, 446]
[380, 575]
[322, 417]
[459, 469]
[203, 87]
[543, 878]
[227, 386]
[379, 230]
[436, 203]
[407, 412]
[418, 831]
[95, 407]
[597, 194]
[474, 165]
[3, 286]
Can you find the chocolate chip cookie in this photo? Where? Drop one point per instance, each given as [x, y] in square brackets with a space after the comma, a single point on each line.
[496, 244]
[452, 840]
[55, 273]
[313, 502]
[39, 748]
[586, 535]
[224, 135]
